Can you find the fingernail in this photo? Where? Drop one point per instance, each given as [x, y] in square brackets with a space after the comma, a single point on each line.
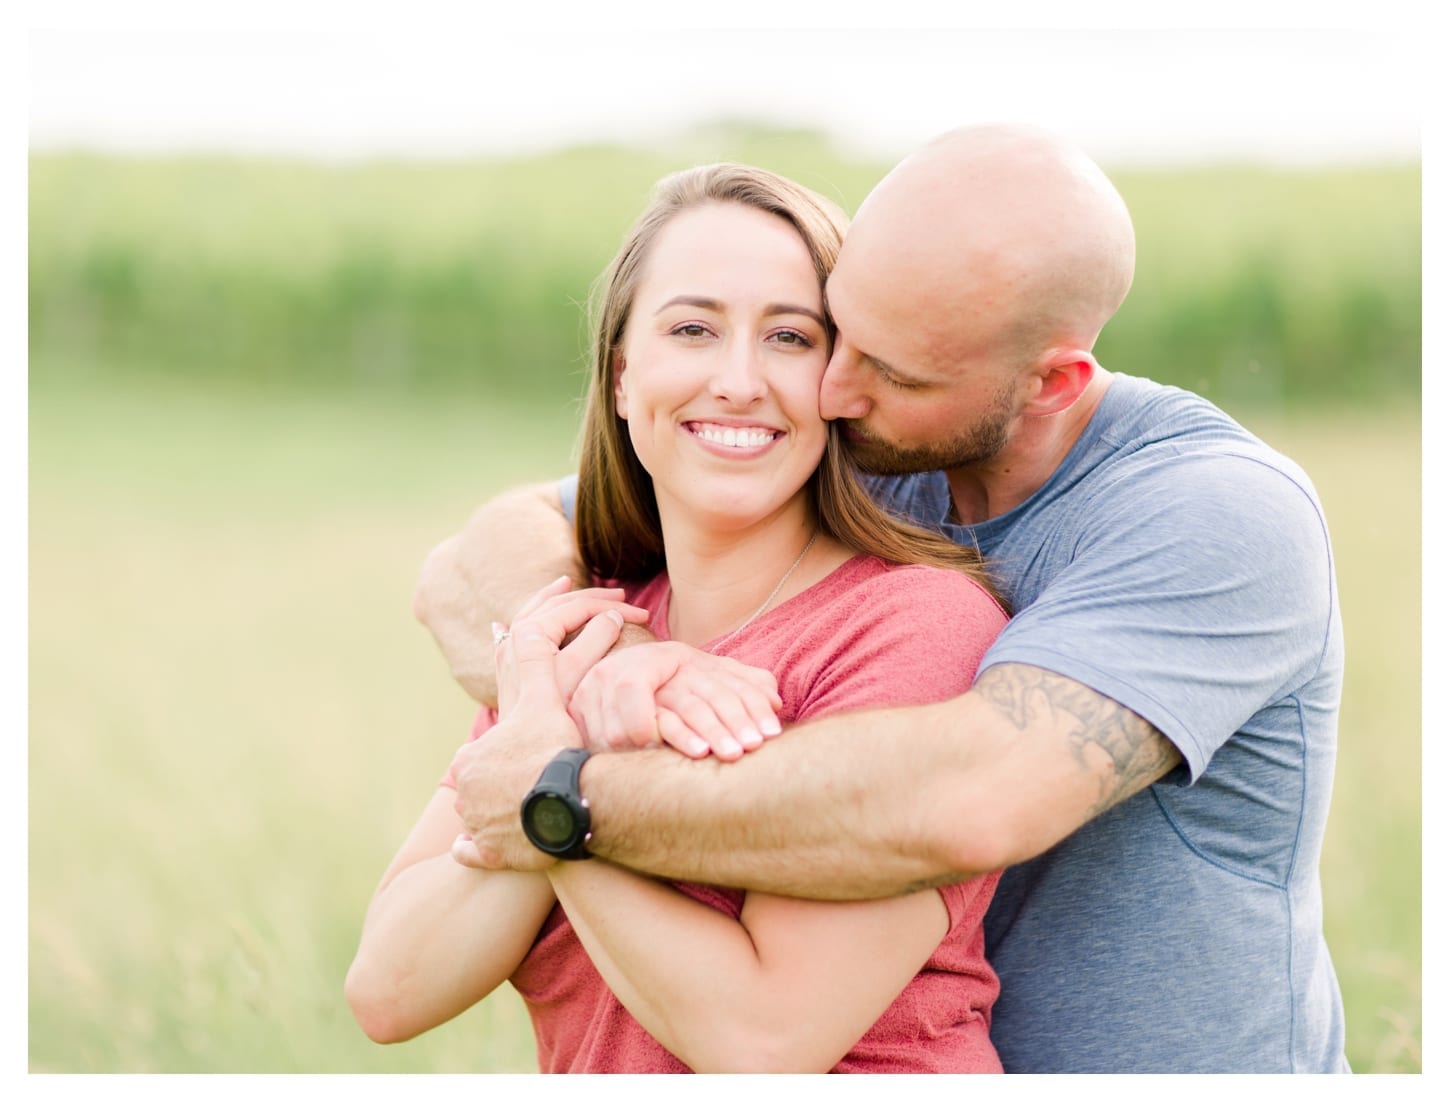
[750, 738]
[730, 746]
[770, 727]
[699, 747]
[614, 615]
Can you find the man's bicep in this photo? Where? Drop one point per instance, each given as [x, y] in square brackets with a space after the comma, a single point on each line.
[510, 548]
[1069, 753]
[1195, 604]
[525, 518]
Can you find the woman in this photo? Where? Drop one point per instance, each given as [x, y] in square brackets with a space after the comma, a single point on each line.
[704, 449]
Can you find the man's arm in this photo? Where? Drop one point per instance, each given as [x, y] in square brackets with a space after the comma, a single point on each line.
[505, 558]
[511, 547]
[860, 805]
[878, 803]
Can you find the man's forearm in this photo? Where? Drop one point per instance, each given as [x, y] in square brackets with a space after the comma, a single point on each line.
[510, 548]
[878, 803]
[829, 810]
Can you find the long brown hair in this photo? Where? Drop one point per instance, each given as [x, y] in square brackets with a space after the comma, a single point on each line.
[617, 520]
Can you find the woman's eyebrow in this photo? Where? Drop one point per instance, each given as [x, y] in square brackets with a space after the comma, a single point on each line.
[774, 309]
[692, 300]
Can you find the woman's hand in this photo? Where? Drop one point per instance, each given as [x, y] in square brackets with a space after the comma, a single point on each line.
[494, 773]
[670, 693]
[646, 695]
[558, 611]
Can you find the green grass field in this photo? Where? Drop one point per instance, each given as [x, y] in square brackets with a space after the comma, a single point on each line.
[1254, 285]
[234, 719]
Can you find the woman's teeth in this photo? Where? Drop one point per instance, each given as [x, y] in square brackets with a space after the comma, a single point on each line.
[735, 438]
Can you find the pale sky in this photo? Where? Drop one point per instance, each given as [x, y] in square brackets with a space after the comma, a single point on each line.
[341, 88]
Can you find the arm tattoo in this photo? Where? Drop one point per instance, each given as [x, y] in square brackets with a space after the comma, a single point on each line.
[1094, 726]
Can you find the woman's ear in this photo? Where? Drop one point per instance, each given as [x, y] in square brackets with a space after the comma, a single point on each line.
[621, 399]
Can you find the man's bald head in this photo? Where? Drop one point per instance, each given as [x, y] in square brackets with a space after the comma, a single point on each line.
[1010, 241]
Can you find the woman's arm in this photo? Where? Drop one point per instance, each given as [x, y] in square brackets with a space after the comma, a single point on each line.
[438, 936]
[787, 988]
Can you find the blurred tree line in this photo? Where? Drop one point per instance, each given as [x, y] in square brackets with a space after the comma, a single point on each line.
[1255, 286]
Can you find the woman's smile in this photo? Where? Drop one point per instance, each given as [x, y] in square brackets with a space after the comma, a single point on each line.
[733, 440]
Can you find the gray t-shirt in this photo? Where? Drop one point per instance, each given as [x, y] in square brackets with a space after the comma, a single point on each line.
[1181, 567]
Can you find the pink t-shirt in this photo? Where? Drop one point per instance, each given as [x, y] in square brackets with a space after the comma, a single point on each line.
[869, 635]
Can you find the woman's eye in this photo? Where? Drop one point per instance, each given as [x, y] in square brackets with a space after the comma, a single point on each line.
[690, 329]
[793, 338]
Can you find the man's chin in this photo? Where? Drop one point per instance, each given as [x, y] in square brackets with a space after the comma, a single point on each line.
[871, 456]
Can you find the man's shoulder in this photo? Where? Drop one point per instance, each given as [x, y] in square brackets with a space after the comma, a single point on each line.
[1158, 439]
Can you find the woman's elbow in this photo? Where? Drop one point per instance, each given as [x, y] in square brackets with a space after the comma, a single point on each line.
[376, 1006]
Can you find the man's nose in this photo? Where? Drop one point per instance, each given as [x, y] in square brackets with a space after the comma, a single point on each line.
[842, 395]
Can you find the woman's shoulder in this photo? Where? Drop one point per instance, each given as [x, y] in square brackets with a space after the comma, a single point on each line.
[877, 588]
[882, 633]
[869, 609]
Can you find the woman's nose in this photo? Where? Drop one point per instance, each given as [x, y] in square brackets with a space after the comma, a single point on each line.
[740, 375]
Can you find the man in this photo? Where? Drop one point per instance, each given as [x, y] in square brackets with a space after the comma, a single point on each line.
[1149, 748]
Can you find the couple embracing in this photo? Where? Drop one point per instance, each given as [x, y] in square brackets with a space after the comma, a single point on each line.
[867, 822]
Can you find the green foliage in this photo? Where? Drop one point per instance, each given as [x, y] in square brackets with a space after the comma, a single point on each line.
[1274, 288]
[1254, 286]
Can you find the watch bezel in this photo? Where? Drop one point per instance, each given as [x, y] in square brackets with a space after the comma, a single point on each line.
[560, 781]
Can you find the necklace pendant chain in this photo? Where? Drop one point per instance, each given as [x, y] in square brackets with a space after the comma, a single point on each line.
[765, 604]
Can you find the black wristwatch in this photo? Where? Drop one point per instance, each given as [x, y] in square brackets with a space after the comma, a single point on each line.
[556, 816]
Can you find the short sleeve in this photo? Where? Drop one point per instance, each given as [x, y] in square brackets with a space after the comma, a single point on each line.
[569, 496]
[1196, 599]
[485, 719]
[967, 901]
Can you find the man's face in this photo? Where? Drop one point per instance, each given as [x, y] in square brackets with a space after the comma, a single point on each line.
[910, 398]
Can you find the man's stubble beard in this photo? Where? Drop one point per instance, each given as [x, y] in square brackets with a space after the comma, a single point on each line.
[978, 443]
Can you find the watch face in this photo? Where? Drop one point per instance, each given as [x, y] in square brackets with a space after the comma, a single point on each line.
[552, 821]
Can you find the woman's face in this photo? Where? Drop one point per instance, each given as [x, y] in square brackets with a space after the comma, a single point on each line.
[720, 367]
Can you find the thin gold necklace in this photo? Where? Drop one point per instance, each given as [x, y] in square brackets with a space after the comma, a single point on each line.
[765, 604]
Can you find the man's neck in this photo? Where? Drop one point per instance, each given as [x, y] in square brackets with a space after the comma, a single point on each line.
[1037, 448]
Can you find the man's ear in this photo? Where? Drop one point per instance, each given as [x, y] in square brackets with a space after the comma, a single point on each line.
[1061, 376]
[621, 401]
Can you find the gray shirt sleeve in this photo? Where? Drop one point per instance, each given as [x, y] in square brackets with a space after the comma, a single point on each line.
[569, 495]
[1195, 595]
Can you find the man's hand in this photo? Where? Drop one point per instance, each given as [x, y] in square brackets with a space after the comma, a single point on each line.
[696, 702]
